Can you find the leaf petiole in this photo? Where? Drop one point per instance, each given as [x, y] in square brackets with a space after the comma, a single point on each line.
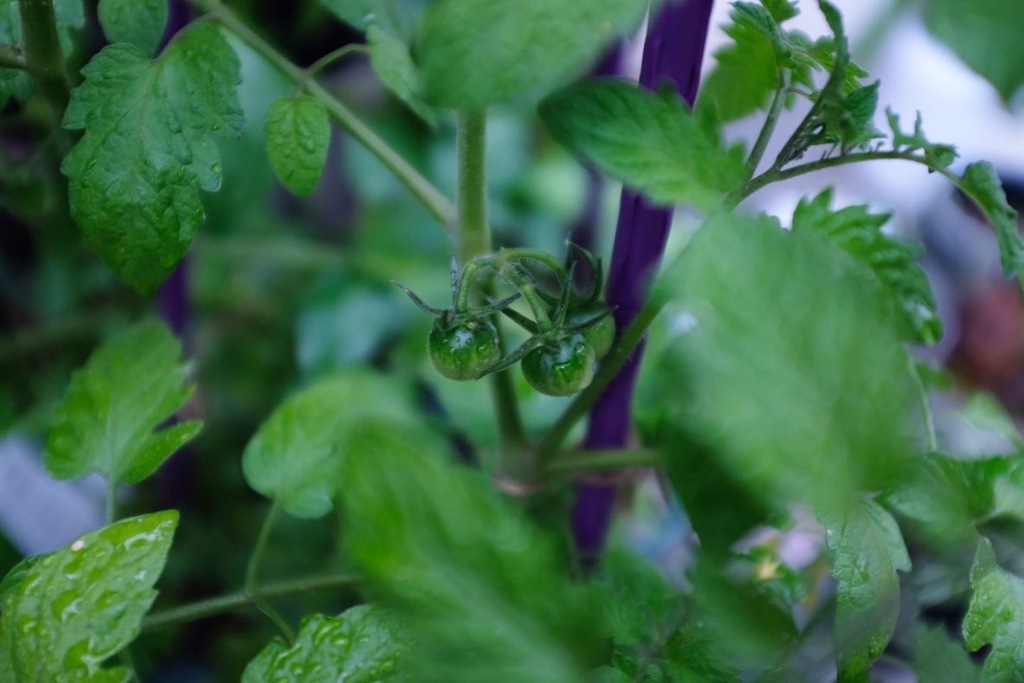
[252, 572]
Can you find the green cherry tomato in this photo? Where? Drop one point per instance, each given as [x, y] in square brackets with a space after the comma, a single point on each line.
[462, 349]
[561, 368]
[601, 334]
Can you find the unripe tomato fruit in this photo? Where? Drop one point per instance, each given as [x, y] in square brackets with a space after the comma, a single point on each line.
[462, 349]
[601, 334]
[561, 368]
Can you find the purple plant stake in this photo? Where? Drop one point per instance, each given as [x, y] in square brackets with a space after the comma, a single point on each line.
[673, 54]
[172, 299]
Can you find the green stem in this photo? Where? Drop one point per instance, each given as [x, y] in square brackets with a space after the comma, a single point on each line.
[529, 292]
[610, 366]
[242, 599]
[474, 231]
[763, 138]
[333, 56]
[774, 175]
[431, 198]
[43, 54]
[252, 573]
[573, 462]
[500, 261]
[11, 58]
[474, 240]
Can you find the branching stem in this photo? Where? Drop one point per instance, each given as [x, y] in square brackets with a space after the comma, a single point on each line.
[551, 443]
[581, 461]
[242, 599]
[474, 240]
[252, 576]
[771, 120]
[775, 175]
[431, 198]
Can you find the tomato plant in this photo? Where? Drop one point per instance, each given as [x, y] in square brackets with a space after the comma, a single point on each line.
[207, 207]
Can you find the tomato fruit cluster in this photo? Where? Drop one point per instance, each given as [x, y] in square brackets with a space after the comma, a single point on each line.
[569, 332]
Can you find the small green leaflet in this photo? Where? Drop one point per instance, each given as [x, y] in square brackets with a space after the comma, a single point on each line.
[859, 232]
[939, 659]
[938, 155]
[70, 17]
[358, 646]
[106, 421]
[296, 456]
[985, 34]
[134, 178]
[484, 593]
[649, 141]
[75, 608]
[981, 183]
[781, 10]
[747, 69]
[868, 552]
[842, 115]
[818, 414]
[476, 53]
[298, 136]
[995, 617]
[763, 54]
[139, 22]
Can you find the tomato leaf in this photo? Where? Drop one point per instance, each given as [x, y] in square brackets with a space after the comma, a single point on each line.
[747, 69]
[868, 552]
[296, 456]
[358, 646]
[475, 53]
[995, 617]
[934, 154]
[106, 421]
[139, 22]
[859, 233]
[134, 177]
[751, 67]
[298, 135]
[481, 589]
[981, 182]
[818, 414]
[389, 57]
[649, 141]
[985, 34]
[75, 608]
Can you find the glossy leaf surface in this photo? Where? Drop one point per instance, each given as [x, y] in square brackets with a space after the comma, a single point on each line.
[109, 419]
[75, 608]
[148, 149]
[358, 646]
